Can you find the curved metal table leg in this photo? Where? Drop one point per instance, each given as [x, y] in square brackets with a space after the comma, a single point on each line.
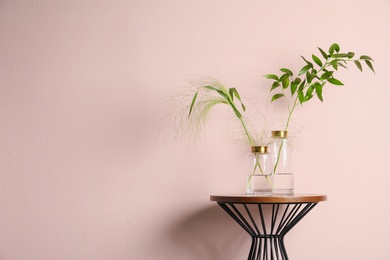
[267, 227]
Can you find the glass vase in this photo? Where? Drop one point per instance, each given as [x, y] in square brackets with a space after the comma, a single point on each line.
[283, 175]
[259, 171]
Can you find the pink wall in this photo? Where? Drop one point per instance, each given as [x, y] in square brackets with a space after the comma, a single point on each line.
[89, 168]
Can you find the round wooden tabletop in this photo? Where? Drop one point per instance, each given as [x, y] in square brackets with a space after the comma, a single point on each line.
[294, 198]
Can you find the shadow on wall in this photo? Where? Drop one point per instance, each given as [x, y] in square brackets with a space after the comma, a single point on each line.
[209, 234]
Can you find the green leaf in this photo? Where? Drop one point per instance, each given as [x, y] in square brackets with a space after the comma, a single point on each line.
[283, 77]
[235, 92]
[308, 62]
[318, 88]
[304, 69]
[351, 55]
[302, 86]
[317, 60]
[231, 93]
[275, 85]
[369, 64]
[335, 81]
[297, 80]
[271, 76]
[339, 55]
[342, 63]
[309, 91]
[326, 75]
[309, 77]
[307, 98]
[334, 47]
[331, 50]
[301, 97]
[276, 96]
[193, 102]
[365, 57]
[313, 73]
[238, 114]
[286, 71]
[243, 107]
[358, 65]
[293, 87]
[226, 97]
[285, 81]
[324, 54]
[334, 64]
[211, 88]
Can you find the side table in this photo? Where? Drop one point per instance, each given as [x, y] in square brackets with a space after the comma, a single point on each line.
[275, 215]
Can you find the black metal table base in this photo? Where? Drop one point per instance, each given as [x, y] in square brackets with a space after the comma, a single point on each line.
[275, 221]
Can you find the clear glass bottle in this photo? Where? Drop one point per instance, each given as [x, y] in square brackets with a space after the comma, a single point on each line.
[259, 171]
[283, 175]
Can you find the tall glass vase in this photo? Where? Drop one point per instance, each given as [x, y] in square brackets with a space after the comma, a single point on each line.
[259, 171]
[283, 175]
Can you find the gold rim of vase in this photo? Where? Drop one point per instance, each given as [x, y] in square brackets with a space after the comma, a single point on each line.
[280, 134]
[259, 149]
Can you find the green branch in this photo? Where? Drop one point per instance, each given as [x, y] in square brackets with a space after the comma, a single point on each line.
[311, 80]
[312, 77]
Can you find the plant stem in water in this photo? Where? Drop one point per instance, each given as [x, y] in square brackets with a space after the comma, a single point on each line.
[257, 164]
[285, 129]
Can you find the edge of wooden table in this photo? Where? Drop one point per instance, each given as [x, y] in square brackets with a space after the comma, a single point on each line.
[243, 198]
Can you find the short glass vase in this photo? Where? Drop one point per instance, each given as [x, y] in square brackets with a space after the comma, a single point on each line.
[259, 170]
